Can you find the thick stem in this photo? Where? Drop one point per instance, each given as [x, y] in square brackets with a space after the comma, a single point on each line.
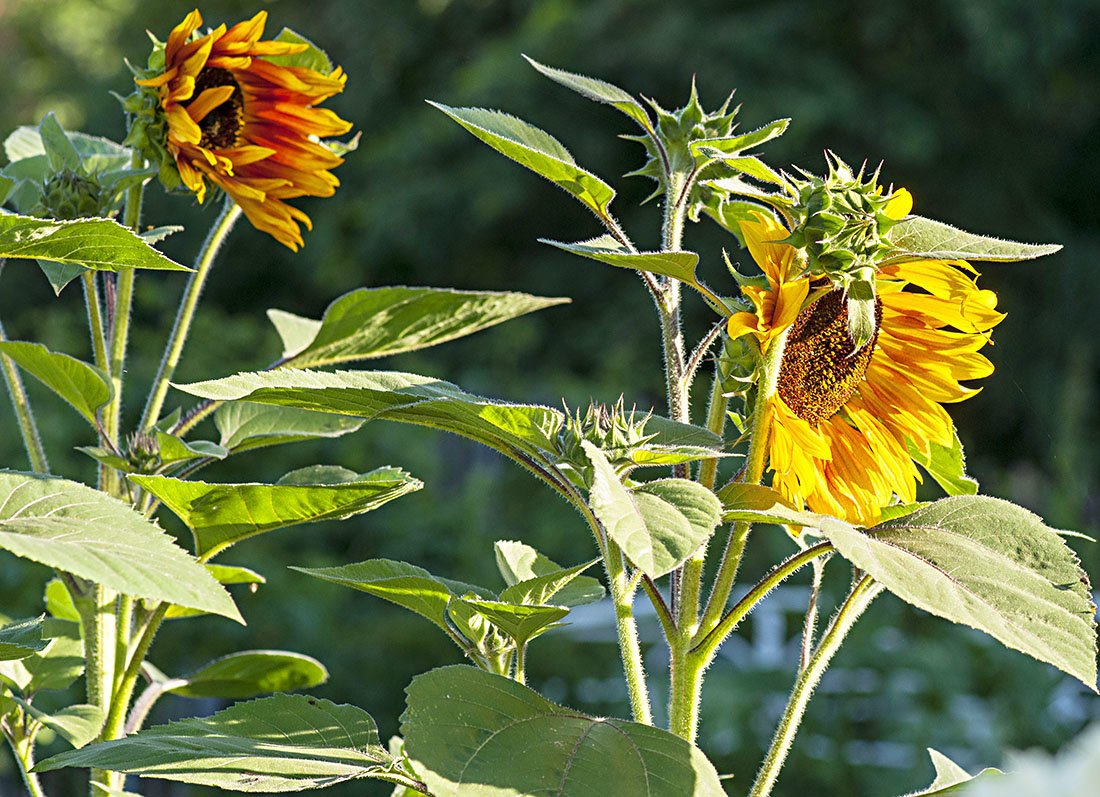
[622, 597]
[755, 462]
[116, 715]
[858, 600]
[222, 225]
[29, 429]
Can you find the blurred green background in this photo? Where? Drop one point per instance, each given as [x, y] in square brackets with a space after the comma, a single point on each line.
[987, 110]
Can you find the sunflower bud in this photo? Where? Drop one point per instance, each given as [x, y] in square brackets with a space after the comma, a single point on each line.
[69, 194]
[842, 222]
[615, 431]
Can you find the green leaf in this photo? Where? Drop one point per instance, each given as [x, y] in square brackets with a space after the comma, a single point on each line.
[861, 312]
[599, 91]
[537, 150]
[294, 331]
[77, 724]
[464, 728]
[235, 574]
[83, 386]
[245, 426]
[22, 638]
[98, 154]
[249, 673]
[678, 265]
[313, 57]
[71, 527]
[220, 515]
[273, 744]
[23, 142]
[54, 667]
[409, 586]
[174, 450]
[520, 622]
[756, 503]
[660, 524]
[918, 238]
[748, 165]
[514, 429]
[59, 150]
[735, 145]
[988, 564]
[947, 465]
[59, 274]
[951, 778]
[156, 234]
[94, 243]
[377, 322]
[59, 602]
[560, 587]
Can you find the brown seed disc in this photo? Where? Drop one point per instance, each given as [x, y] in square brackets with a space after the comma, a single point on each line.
[222, 126]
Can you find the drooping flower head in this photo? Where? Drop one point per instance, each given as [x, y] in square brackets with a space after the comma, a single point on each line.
[846, 421]
[218, 110]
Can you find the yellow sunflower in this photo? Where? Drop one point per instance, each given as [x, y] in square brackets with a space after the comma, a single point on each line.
[842, 420]
[247, 125]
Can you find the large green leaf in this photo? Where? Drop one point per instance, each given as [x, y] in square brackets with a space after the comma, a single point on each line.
[275, 744]
[659, 524]
[94, 243]
[220, 515]
[918, 237]
[22, 638]
[475, 734]
[71, 527]
[244, 425]
[84, 386]
[377, 322]
[678, 265]
[409, 586]
[513, 428]
[599, 91]
[988, 564]
[248, 673]
[537, 150]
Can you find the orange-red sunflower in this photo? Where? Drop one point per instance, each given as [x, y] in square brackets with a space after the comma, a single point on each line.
[842, 420]
[247, 125]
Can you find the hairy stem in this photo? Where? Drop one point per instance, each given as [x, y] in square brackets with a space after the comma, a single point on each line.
[29, 429]
[172, 352]
[23, 750]
[858, 600]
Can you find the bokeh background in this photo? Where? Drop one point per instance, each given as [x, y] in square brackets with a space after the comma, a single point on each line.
[987, 110]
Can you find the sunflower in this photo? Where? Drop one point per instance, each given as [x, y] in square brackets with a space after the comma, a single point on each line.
[843, 421]
[248, 125]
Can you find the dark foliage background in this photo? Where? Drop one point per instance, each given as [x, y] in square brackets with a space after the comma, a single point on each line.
[987, 110]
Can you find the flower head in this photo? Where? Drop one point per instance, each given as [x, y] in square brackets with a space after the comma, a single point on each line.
[844, 419]
[221, 112]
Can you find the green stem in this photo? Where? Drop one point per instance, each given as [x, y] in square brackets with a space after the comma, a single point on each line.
[755, 463]
[29, 429]
[218, 232]
[622, 597]
[521, 663]
[811, 615]
[116, 715]
[858, 600]
[95, 320]
[24, 756]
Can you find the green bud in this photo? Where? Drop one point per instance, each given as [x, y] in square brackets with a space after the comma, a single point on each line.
[69, 194]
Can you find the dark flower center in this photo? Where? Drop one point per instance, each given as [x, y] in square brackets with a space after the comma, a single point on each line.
[222, 126]
[821, 369]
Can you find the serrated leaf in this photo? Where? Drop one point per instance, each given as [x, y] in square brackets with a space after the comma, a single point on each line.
[313, 57]
[659, 524]
[71, 527]
[597, 90]
[54, 667]
[918, 237]
[678, 265]
[537, 150]
[735, 145]
[244, 426]
[987, 564]
[560, 587]
[274, 744]
[520, 622]
[514, 429]
[94, 243]
[251, 672]
[22, 638]
[220, 515]
[77, 724]
[756, 503]
[463, 728]
[156, 234]
[947, 465]
[409, 586]
[377, 322]
[83, 386]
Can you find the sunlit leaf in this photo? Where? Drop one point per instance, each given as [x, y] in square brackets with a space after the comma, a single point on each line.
[83, 386]
[93, 243]
[679, 265]
[77, 724]
[244, 425]
[597, 90]
[249, 673]
[757, 503]
[919, 237]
